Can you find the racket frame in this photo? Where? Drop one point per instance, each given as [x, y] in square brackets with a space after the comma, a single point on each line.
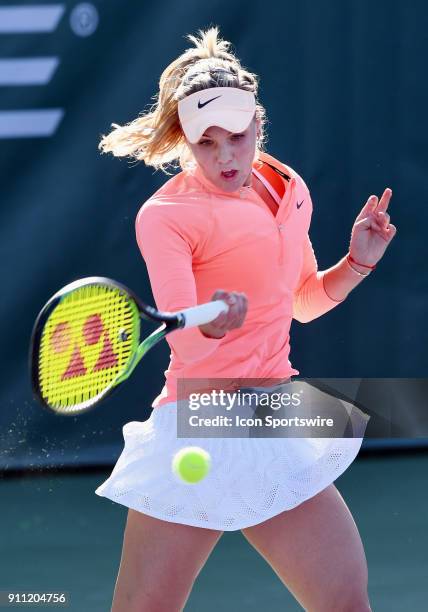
[169, 322]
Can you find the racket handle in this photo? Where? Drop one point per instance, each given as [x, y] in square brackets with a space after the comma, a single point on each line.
[205, 313]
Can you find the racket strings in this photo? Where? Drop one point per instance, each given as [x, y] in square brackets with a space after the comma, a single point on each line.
[86, 343]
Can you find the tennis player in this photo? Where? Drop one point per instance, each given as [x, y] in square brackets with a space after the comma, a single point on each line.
[233, 224]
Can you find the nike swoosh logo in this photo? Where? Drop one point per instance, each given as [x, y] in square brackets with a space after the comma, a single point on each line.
[202, 104]
[299, 205]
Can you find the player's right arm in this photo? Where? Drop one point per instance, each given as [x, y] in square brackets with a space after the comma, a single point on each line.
[238, 305]
[168, 257]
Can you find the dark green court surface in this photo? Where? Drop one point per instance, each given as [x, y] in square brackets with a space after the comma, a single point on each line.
[57, 534]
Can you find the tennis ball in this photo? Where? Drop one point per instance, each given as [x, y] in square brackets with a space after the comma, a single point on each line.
[191, 464]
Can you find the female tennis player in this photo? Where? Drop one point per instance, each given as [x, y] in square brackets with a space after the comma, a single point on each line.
[233, 224]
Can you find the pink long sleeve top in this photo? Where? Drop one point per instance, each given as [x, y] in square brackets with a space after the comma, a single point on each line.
[196, 238]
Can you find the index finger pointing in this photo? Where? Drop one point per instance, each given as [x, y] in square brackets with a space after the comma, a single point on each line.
[384, 201]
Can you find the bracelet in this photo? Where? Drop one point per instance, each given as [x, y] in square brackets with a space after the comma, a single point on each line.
[354, 270]
[360, 264]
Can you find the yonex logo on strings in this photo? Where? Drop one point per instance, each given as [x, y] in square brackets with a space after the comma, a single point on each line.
[93, 332]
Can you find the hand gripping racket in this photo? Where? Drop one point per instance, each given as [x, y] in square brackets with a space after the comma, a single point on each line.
[87, 340]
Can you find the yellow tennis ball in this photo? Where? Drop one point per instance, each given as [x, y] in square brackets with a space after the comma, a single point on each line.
[191, 464]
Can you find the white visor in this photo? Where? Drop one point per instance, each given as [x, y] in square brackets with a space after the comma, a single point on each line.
[227, 107]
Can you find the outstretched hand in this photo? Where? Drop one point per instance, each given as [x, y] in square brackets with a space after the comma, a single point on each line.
[372, 232]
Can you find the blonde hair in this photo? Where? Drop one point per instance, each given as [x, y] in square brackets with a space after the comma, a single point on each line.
[156, 137]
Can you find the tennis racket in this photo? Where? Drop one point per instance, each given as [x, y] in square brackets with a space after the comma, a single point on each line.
[87, 340]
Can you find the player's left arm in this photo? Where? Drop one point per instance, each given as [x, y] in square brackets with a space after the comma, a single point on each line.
[317, 292]
[310, 299]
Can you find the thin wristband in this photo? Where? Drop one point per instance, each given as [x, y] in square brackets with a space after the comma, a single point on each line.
[354, 270]
[360, 264]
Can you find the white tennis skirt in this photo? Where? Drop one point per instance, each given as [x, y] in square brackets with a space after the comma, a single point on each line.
[250, 481]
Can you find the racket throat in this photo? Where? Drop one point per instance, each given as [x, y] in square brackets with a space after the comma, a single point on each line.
[156, 336]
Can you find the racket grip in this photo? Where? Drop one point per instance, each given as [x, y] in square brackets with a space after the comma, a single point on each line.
[205, 313]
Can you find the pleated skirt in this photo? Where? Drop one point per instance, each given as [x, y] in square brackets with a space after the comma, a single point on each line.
[250, 480]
